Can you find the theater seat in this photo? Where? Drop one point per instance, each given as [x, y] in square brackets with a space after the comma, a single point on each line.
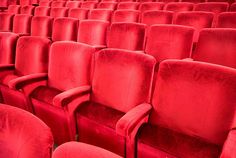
[233, 7]
[107, 5]
[56, 4]
[120, 90]
[73, 4]
[23, 135]
[45, 3]
[178, 7]
[13, 9]
[27, 9]
[41, 26]
[126, 16]
[80, 150]
[226, 20]
[132, 35]
[26, 64]
[157, 17]
[88, 5]
[215, 7]
[69, 71]
[146, 6]
[128, 5]
[58, 12]
[21, 24]
[42, 11]
[100, 14]
[78, 13]
[6, 22]
[193, 112]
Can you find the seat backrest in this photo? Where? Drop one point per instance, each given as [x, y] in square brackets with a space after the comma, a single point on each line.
[28, 9]
[126, 16]
[78, 13]
[73, 4]
[17, 136]
[107, 5]
[14, 9]
[21, 23]
[32, 55]
[122, 78]
[88, 5]
[6, 21]
[233, 7]
[41, 26]
[217, 46]
[169, 41]
[128, 5]
[146, 6]
[45, 3]
[132, 35]
[7, 47]
[65, 29]
[93, 32]
[195, 98]
[100, 14]
[58, 4]
[42, 11]
[178, 7]
[193, 1]
[196, 19]
[215, 7]
[157, 17]
[58, 12]
[226, 20]
[168, 1]
[69, 65]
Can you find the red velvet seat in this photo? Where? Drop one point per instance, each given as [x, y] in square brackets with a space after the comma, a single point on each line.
[65, 29]
[119, 92]
[93, 32]
[69, 71]
[107, 5]
[217, 46]
[109, 0]
[169, 42]
[193, 1]
[14, 9]
[233, 7]
[58, 12]
[100, 14]
[193, 112]
[26, 63]
[157, 17]
[178, 7]
[168, 1]
[132, 35]
[88, 5]
[215, 7]
[22, 24]
[126, 16]
[6, 22]
[27, 9]
[73, 4]
[45, 3]
[42, 11]
[23, 135]
[79, 150]
[146, 6]
[56, 4]
[226, 20]
[41, 26]
[128, 5]
[196, 19]
[78, 13]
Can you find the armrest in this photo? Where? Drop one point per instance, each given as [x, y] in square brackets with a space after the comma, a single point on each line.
[188, 59]
[19, 82]
[229, 148]
[7, 67]
[65, 97]
[131, 119]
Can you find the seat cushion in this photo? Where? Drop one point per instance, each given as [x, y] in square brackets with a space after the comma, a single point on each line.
[166, 142]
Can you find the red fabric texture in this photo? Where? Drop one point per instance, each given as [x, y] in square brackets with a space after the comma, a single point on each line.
[157, 17]
[215, 7]
[41, 26]
[73, 4]
[45, 3]
[107, 5]
[78, 13]
[13, 9]
[100, 14]
[42, 11]
[233, 7]
[17, 139]
[58, 4]
[126, 16]
[226, 20]
[147, 6]
[178, 7]
[58, 12]
[22, 23]
[88, 5]
[6, 21]
[229, 145]
[128, 5]
[27, 10]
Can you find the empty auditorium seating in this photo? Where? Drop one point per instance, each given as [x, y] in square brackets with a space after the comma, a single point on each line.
[110, 106]
[157, 17]
[128, 5]
[107, 5]
[193, 111]
[73, 4]
[42, 11]
[58, 4]
[126, 16]
[88, 5]
[6, 21]
[100, 14]
[128, 36]
[13, 9]
[226, 20]
[58, 12]
[178, 7]
[79, 150]
[196, 19]
[23, 135]
[26, 2]
[193, 1]
[21, 24]
[78, 13]
[233, 7]
[215, 7]
[69, 73]
[169, 42]
[93, 32]
[31, 58]
[217, 46]
[7, 47]
[41, 26]
[45, 3]
[151, 6]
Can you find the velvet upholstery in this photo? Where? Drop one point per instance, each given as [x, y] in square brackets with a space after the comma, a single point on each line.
[27, 10]
[228, 150]
[21, 24]
[58, 12]
[107, 5]
[178, 7]
[109, 103]
[78, 13]
[128, 5]
[233, 7]
[45, 3]
[157, 17]
[215, 45]
[23, 135]
[88, 5]
[73, 4]
[126, 16]
[215, 7]
[196, 19]
[58, 4]
[93, 32]
[42, 11]
[6, 21]
[65, 29]
[193, 111]
[226, 20]
[100, 14]
[7, 47]
[78, 150]
[132, 35]
[62, 78]
[193, 1]
[168, 1]
[41, 26]
[169, 42]
[146, 6]
[13, 9]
